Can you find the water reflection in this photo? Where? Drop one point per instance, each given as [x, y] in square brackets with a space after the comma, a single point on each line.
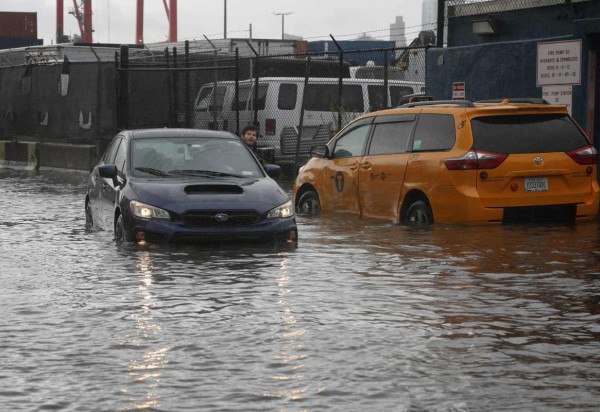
[146, 369]
[289, 356]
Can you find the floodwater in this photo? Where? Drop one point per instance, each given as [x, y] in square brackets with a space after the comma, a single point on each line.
[363, 315]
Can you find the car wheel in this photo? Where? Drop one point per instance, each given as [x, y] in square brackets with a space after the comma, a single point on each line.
[418, 214]
[89, 220]
[309, 203]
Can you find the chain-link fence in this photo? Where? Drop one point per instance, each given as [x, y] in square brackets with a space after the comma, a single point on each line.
[296, 100]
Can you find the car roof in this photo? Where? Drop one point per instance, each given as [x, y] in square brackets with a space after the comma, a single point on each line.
[169, 132]
[490, 107]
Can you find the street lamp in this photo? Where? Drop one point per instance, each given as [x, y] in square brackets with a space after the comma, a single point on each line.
[282, 21]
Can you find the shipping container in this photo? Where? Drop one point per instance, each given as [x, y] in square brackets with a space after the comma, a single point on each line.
[12, 43]
[18, 25]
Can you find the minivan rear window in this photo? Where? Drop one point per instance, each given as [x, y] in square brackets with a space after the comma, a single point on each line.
[324, 97]
[527, 133]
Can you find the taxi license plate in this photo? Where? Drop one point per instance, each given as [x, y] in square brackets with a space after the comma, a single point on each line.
[536, 184]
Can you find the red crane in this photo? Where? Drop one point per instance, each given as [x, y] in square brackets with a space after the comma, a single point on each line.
[170, 9]
[83, 13]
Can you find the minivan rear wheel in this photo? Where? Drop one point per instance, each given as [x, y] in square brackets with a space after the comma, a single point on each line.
[418, 214]
[309, 203]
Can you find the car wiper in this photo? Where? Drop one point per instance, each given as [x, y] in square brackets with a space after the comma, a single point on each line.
[155, 172]
[194, 172]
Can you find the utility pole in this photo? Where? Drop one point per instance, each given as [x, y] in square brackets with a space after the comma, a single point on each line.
[282, 21]
[225, 19]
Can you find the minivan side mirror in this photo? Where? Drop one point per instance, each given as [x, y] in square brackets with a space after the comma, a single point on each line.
[273, 170]
[321, 151]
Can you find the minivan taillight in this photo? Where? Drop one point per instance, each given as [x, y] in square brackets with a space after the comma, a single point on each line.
[270, 126]
[475, 159]
[587, 155]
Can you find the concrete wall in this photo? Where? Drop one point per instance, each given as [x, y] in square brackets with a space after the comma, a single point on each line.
[35, 155]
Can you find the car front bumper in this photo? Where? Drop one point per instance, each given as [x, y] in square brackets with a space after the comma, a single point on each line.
[166, 231]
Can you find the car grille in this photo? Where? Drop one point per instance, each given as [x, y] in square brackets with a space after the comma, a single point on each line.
[220, 218]
[223, 238]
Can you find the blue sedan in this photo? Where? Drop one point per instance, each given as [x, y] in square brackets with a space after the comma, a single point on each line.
[186, 185]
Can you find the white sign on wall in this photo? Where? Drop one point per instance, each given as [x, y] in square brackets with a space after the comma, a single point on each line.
[559, 63]
[458, 91]
[559, 95]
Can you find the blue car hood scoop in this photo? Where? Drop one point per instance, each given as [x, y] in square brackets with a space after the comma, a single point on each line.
[213, 189]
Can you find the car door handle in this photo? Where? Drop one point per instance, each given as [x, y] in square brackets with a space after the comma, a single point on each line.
[353, 166]
[366, 166]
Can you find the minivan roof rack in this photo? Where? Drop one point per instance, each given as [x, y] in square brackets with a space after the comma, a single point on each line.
[530, 100]
[461, 103]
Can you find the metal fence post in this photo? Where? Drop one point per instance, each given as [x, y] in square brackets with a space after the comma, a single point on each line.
[169, 88]
[386, 94]
[301, 125]
[441, 22]
[255, 100]
[123, 90]
[237, 91]
[340, 82]
[188, 103]
[212, 106]
[255, 70]
[175, 72]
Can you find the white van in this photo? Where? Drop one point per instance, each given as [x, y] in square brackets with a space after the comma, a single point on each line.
[279, 103]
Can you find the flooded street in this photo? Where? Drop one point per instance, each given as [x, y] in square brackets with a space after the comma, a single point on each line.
[363, 315]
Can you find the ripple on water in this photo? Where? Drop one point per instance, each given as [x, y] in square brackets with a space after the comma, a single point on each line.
[364, 314]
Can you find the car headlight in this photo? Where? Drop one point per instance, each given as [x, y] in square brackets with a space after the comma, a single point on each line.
[285, 210]
[145, 211]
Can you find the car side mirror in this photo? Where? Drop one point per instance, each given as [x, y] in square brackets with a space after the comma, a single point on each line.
[108, 171]
[273, 170]
[321, 151]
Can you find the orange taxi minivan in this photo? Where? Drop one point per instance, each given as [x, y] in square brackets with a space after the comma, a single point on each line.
[506, 161]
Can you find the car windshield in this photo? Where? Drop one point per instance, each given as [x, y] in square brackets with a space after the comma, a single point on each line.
[192, 156]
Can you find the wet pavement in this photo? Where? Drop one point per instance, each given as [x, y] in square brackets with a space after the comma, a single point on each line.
[363, 315]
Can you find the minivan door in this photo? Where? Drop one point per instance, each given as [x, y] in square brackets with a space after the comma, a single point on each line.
[382, 169]
[340, 191]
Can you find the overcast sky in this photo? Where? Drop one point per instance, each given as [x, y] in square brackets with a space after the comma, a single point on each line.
[114, 20]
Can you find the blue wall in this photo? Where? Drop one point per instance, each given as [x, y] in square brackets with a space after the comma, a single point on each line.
[540, 22]
[504, 65]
